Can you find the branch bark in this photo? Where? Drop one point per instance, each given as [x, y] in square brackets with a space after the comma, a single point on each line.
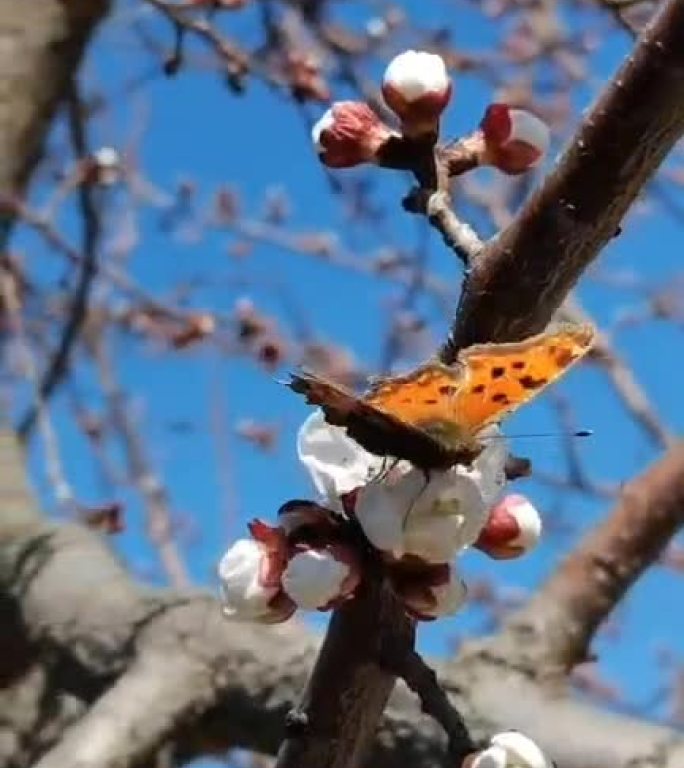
[41, 47]
[577, 210]
[621, 143]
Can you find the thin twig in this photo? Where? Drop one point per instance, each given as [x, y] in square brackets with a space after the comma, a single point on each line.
[408, 664]
[90, 215]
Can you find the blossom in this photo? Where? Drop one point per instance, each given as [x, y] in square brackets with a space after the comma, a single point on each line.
[349, 134]
[512, 528]
[319, 579]
[336, 463]
[417, 88]
[105, 166]
[403, 513]
[427, 591]
[250, 574]
[515, 140]
[511, 749]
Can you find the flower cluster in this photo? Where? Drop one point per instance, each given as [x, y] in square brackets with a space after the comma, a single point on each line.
[416, 87]
[412, 525]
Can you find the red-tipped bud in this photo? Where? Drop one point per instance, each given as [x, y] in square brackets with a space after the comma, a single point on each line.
[349, 134]
[515, 140]
[417, 88]
[512, 529]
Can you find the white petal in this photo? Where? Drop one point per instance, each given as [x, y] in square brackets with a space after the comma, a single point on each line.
[323, 123]
[491, 464]
[416, 73]
[494, 757]
[312, 578]
[529, 128]
[336, 463]
[520, 750]
[242, 594]
[446, 517]
[382, 507]
[528, 519]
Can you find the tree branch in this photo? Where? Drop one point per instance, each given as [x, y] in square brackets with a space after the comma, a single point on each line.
[559, 621]
[525, 272]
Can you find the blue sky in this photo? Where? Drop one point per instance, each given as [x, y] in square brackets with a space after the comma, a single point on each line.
[194, 128]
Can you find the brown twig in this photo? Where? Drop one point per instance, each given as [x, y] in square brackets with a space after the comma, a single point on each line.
[59, 361]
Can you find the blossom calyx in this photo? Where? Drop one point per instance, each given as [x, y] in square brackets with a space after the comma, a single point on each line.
[427, 591]
[349, 134]
[514, 140]
[512, 529]
[417, 88]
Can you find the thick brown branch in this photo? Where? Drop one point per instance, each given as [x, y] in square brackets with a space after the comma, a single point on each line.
[524, 273]
[553, 631]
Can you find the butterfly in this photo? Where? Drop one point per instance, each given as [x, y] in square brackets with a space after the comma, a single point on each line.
[431, 416]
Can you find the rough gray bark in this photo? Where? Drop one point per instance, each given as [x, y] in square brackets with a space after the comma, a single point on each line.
[98, 671]
[41, 46]
[133, 670]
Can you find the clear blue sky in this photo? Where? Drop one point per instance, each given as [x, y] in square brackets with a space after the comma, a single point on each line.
[196, 129]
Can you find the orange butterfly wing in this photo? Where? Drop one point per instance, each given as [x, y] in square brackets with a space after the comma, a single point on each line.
[502, 377]
[488, 382]
[432, 415]
[379, 432]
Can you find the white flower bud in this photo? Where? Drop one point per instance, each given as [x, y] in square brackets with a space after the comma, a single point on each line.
[250, 574]
[520, 751]
[244, 595]
[315, 579]
[515, 140]
[513, 528]
[417, 88]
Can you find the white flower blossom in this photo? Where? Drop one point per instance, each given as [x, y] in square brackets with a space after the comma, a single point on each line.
[405, 514]
[336, 463]
[242, 589]
[511, 749]
[315, 578]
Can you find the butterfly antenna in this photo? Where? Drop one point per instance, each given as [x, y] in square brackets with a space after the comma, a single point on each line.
[576, 433]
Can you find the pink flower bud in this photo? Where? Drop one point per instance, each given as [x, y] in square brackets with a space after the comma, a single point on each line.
[427, 591]
[250, 573]
[417, 88]
[512, 529]
[320, 579]
[349, 134]
[515, 140]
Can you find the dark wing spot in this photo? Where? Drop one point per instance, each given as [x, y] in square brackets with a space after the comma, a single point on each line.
[565, 357]
[518, 365]
[500, 397]
[406, 401]
[552, 349]
[478, 390]
[529, 382]
[430, 402]
[498, 371]
[447, 389]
